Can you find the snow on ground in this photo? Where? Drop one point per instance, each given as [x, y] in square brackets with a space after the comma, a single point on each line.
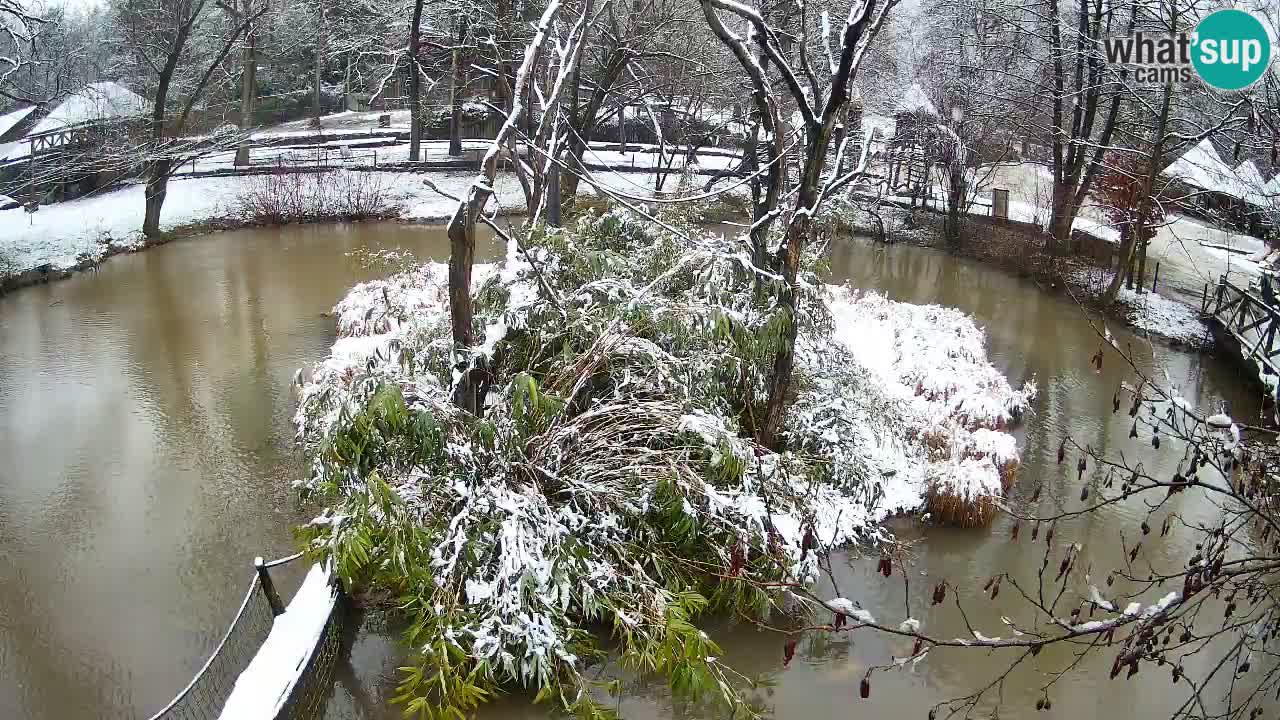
[357, 151]
[343, 121]
[1188, 259]
[265, 685]
[1151, 312]
[61, 234]
[1159, 315]
[1182, 246]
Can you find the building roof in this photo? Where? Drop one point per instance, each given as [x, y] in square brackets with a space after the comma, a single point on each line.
[1272, 190]
[95, 102]
[1248, 173]
[914, 100]
[13, 117]
[1202, 168]
[1254, 185]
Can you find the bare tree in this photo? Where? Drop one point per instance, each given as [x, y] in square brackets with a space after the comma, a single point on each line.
[160, 36]
[1060, 56]
[238, 10]
[761, 51]
[20, 28]
[470, 212]
[415, 82]
[623, 67]
[972, 136]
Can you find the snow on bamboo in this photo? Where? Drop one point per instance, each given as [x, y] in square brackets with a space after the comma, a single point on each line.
[614, 430]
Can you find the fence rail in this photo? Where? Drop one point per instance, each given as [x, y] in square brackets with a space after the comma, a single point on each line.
[1247, 318]
[204, 697]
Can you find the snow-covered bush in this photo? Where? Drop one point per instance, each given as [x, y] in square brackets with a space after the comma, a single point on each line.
[611, 481]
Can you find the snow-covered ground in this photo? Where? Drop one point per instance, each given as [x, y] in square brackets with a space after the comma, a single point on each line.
[62, 234]
[1156, 313]
[356, 151]
[1182, 245]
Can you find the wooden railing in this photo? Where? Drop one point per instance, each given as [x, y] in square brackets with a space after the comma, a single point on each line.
[1247, 318]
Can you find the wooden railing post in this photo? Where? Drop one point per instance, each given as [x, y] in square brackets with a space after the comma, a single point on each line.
[268, 587]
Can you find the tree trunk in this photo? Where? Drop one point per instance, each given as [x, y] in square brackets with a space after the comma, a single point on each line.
[1062, 216]
[1148, 185]
[462, 250]
[456, 86]
[316, 108]
[955, 198]
[798, 233]
[1141, 280]
[462, 227]
[248, 90]
[415, 84]
[622, 128]
[1124, 261]
[158, 168]
[157, 186]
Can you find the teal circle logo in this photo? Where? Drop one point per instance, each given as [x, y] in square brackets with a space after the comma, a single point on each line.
[1232, 49]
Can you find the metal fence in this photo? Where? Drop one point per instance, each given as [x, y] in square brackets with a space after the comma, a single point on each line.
[204, 697]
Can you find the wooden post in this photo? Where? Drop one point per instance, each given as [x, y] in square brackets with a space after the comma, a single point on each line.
[1155, 277]
[1000, 204]
[31, 167]
[268, 587]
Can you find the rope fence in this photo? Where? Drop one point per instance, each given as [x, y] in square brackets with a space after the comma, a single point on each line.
[204, 697]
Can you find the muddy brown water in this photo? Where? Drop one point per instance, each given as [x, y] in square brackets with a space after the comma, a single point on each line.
[146, 455]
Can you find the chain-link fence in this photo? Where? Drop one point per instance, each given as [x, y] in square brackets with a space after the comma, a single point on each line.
[207, 693]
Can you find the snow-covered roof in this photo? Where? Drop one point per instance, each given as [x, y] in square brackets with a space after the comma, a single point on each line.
[97, 101]
[1272, 190]
[914, 100]
[1253, 183]
[1202, 168]
[9, 119]
[1248, 173]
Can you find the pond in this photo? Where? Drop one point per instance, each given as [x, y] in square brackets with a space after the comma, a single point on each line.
[146, 425]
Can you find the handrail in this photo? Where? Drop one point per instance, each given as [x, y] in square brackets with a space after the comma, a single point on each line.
[1242, 291]
[1244, 295]
[283, 560]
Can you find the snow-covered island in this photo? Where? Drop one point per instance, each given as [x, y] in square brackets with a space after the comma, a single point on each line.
[611, 477]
